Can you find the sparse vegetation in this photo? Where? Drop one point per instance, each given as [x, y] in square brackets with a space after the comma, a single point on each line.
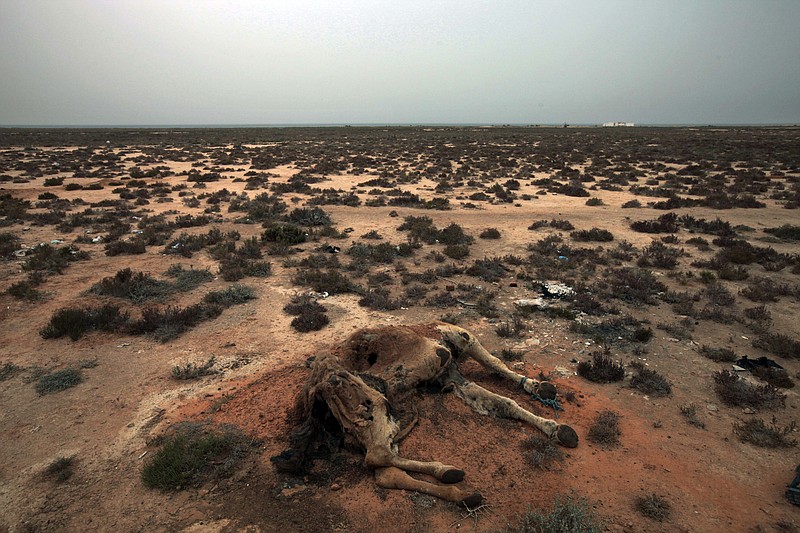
[58, 380]
[194, 371]
[654, 507]
[605, 429]
[649, 381]
[602, 368]
[542, 452]
[735, 391]
[755, 431]
[190, 453]
[569, 514]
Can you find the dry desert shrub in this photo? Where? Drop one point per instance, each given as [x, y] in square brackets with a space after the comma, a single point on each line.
[605, 429]
[601, 369]
[654, 507]
[755, 431]
[735, 391]
[649, 381]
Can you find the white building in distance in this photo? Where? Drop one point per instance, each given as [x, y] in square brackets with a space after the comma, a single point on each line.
[617, 124]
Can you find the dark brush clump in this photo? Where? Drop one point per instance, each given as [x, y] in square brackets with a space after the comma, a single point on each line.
[719, 355]
[601, 369]
[59, 380]
[755, 431]
[649, 381]
[778, 344]
[592, 235]
[75, 322]
[735, 391]
[777, 377]
[654, 507]
[605, 429]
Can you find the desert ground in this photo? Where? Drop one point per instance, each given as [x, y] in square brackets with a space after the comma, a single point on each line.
[677, 249]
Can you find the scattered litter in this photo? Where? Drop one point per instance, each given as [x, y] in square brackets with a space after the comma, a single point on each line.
[20, 253]
[555, 289]
[331, 249]
[143, 454]
[97, 239]
[56, 241]
[531, 303]
[711, 407]
[563, 258]
[348, 230]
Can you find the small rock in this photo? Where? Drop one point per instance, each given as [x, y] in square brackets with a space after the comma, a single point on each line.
[335, 487]
[748, 411]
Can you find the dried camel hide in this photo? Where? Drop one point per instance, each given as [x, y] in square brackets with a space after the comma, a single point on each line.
[361, 383]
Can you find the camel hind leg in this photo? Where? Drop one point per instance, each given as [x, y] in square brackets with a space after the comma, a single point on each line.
[487, 402]
[395, 478]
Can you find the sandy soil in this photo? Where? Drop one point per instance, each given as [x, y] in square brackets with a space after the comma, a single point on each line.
[713, 481]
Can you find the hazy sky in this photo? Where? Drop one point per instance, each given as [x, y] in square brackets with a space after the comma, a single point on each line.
[68, 62]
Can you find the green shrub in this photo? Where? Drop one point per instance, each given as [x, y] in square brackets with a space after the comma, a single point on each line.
[25, 290]
[233, 295]
[592, 235]
[75, 322]
[490, 233]
[310, 321]
[190, 453]
[330, 281]
[289, 234]
[379, 299]
[456, 251]
[9, 243]
[58, 381]
[569, 514]
[132, 247]
[786, 232]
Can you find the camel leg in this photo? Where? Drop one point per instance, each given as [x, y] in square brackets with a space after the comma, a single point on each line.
[487, 402]
[380, 455]
[395, 478]
[469, 345]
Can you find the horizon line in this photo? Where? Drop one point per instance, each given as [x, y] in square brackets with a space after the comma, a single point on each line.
[397, 124]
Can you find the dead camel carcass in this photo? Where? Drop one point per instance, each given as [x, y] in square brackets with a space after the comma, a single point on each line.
[365, 381]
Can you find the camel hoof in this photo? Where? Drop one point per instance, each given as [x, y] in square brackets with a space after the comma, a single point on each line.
[454, 475]
[547, 391]
[566, 436]
[473, 500]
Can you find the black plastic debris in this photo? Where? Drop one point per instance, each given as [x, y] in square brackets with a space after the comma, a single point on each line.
[750, 364]
[793, 491]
